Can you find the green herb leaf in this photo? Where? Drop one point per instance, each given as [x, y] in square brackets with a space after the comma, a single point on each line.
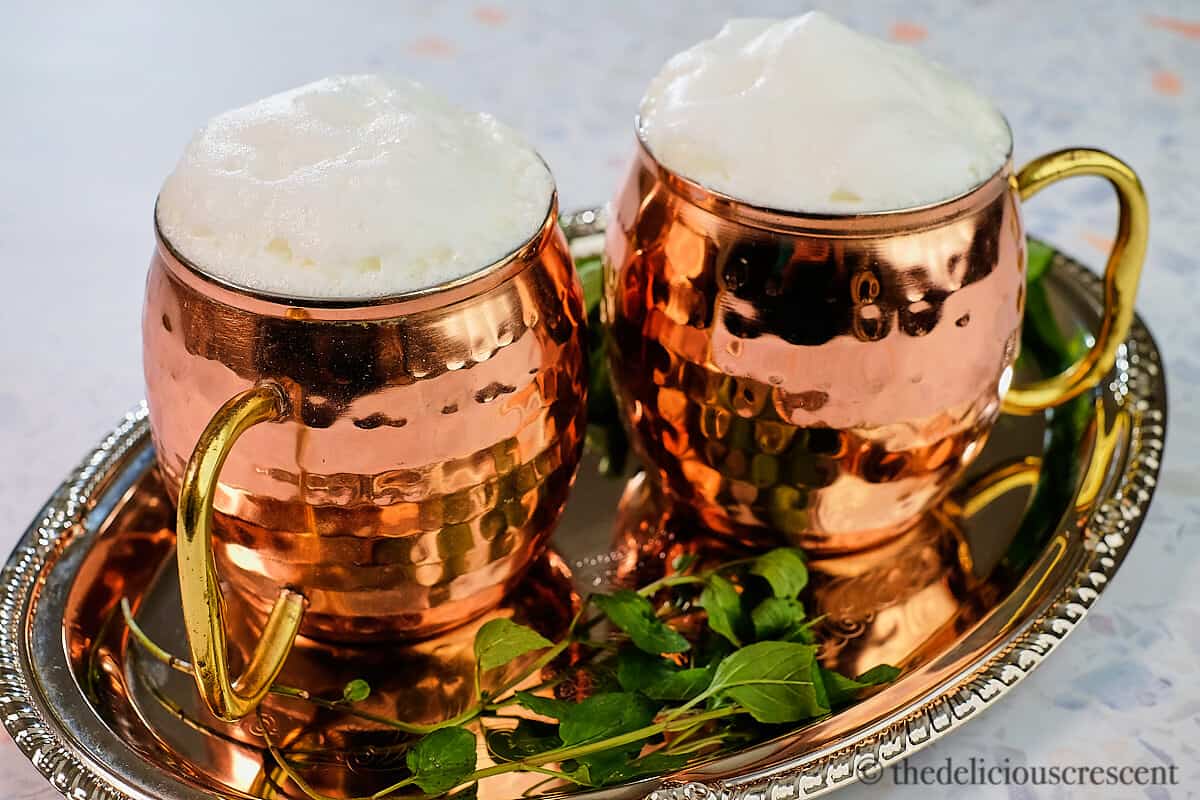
[821, 689]
[657, 678]
[778, 618]
[603, 716]
[1039, 257]
[594, 769]
[499, 641]
[633, 614]
[614, 766]
[591, 276]
[546, 706]
[441, 760]
[784, 569]
[651, 764]
[878, 675]
[682, 561]
[529, 738]
[804, 633]
[842, 690]
[721, 602]
[773, 681]
[605, 431]
[466, 793]
[356, 691]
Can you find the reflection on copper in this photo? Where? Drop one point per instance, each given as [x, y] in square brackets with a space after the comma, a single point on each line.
[432, 441]
[824, 378]
[907, 601]
[651, 533]
[158, 712]
[421, 682]
[127, 556]
[882, 605]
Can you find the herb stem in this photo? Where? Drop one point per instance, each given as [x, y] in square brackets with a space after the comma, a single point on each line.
[698, 745]
[178, 664]
[684, 735]
[586, 749]
[537, 763]
[654, 587]
[288, 769]
[542, 660]
[651, 589]
[149, 644]
[546, 657]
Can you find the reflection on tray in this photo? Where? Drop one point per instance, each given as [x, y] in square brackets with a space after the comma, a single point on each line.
[906, 602]
[898, 603]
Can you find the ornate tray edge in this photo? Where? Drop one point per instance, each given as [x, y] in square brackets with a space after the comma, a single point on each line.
[62, 518]
[1113, 525]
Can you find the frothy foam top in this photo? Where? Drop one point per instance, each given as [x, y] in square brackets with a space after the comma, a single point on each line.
[805, 114]
[352, 187]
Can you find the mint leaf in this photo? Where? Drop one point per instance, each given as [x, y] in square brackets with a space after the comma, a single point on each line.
[546, 706]
[784, 569]
[600, 717]
[529, 738]
[442, 760]
[777, 618]
[466, 793]
[614, 766]
[356, 691]
[842, 690]
[682, 561]
[657, 678]
[603, 716]
[597, 768]
[878, 675]
[804, 633]
[773, 681]
[1039, 257]
[821, 689]
[721, 602]
[633, 614]
[499, 641]
[591, 276]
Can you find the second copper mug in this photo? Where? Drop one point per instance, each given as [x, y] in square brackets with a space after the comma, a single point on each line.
[361, 470]
[826, 377]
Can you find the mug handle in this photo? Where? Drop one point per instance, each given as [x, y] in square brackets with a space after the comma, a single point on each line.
[203, 606]
[1121, 274]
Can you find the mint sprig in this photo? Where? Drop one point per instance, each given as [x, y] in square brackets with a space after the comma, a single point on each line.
[697, 662]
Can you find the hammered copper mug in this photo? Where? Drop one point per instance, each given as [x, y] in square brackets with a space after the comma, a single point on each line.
[361, 470]
[827, 378]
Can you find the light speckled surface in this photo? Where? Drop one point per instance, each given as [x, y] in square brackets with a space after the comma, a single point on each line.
[98, 103]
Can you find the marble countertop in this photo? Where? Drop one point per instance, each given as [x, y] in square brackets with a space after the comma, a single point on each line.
[98, 100]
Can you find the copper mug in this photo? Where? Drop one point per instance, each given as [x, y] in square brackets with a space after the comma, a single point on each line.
[361, 470]
[828, 377]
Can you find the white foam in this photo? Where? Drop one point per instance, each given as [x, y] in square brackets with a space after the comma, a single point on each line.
[352, 187]
[805, 114]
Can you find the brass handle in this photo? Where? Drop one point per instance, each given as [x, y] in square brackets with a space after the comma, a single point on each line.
[1121, 274]
[202, 602]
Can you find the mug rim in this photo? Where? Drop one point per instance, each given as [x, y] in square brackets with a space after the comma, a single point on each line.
[439, 294]
[888, 221]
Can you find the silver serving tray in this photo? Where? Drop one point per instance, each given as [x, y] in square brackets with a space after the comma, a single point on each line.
[965, 625]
